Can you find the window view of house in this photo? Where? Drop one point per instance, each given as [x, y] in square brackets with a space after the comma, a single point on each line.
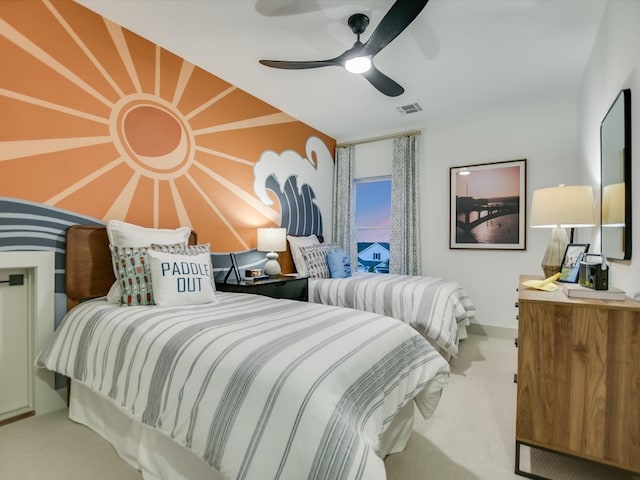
[373, 224]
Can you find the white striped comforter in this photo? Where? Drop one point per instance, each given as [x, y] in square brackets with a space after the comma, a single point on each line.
[437, 308]
[257, 387]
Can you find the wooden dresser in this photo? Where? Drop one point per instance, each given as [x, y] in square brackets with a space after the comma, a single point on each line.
[578, 377]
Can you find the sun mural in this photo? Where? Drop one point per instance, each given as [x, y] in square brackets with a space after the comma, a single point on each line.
[107, 124]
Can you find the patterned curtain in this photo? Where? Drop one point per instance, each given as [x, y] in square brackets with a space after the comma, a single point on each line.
[405, 214]
[343, 202]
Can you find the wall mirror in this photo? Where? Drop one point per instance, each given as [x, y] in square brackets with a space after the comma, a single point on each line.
[615, 176]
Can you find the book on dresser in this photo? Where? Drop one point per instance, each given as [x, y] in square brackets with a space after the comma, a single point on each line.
[578, 291]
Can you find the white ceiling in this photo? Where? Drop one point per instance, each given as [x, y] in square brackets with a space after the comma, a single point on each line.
[456, 57]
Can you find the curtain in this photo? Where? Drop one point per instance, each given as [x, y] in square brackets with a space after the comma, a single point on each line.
[343, 203]
[405, 215]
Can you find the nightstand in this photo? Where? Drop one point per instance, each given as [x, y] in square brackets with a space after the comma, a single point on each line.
[292, 288]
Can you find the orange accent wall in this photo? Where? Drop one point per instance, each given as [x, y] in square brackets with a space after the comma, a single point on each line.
[101, 122]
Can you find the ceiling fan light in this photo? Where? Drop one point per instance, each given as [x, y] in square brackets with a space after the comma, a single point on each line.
[358, 64]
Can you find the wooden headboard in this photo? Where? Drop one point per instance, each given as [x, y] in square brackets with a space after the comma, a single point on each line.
[88, 267]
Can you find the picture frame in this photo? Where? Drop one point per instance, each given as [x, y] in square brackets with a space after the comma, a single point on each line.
[570, 268]
[487, 207]
[234, 268]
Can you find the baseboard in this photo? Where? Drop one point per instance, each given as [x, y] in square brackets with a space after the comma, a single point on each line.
[492, 331]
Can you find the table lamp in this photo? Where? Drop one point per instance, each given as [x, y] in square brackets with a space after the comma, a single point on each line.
[613, 205]
[272, 240]
[560, 208]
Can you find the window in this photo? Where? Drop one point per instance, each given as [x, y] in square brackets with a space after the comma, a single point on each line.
[373, 223]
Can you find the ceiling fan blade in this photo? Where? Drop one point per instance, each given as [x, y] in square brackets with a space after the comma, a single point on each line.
[383, 83]
[399, 16]
[299, 65]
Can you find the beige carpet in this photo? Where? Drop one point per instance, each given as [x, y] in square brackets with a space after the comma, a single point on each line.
[471, 435]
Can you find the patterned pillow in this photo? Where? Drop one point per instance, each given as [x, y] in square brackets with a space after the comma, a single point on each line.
[295, 244]
[315, 258]
[131, 266]
[182, 279]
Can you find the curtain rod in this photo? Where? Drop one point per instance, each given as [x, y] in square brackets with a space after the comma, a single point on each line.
[376, 139]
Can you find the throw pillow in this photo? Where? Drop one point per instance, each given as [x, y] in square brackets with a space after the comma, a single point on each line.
[180, 279]
[339, 263]
[315, 258]
[131, 267]
[125, 234]
[295, 244]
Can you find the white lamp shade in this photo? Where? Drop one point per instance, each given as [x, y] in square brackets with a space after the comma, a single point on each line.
[613, 205]
[272, 239]
[563, 206]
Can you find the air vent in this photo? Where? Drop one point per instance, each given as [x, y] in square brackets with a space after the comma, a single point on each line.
[411, 108]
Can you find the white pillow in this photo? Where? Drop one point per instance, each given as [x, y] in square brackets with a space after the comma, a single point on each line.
[295, 243]
[181, 279]
[122, 234]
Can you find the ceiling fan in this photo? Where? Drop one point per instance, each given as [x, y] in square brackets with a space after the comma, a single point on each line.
[358, 59]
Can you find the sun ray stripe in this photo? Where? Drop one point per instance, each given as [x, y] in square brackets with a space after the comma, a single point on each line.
[225, 155]
[52, 106]
[256, 204]
[183, 215]
[273, 119]
[124, 200]
[25, 148]
[32, 49]
[185, 74]
[216, 210]
[84, 48]
[156, 83]
[208, 103]
[83, 182]
[117, 35]
[156, 202]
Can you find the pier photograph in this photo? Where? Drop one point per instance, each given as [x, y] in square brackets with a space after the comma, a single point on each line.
[487, 208]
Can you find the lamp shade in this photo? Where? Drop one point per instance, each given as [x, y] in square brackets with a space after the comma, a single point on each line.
[272, 239]
[613, 205]
[563, 206]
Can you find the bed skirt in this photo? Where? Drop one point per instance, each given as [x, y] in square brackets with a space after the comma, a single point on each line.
[160, 458]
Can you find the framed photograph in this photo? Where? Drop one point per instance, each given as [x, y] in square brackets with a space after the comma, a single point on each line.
[487, 207]
[570, 268]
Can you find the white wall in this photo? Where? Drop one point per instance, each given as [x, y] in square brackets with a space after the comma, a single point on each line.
[613, 66]
[543, 131]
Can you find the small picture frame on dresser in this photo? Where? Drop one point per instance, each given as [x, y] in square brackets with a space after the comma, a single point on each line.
[570, 268]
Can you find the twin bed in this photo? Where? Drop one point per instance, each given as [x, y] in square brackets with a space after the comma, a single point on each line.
[243, 387]
[440, 309]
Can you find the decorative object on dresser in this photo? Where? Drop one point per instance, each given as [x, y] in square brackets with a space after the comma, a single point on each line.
[272, 240]
[560, 208]
[573, 256]
[578, 388]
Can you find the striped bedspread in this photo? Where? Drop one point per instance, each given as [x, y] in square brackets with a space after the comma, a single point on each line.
[436, 307]
[259, 388]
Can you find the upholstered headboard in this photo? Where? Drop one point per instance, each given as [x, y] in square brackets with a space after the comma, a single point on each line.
[88, 267]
